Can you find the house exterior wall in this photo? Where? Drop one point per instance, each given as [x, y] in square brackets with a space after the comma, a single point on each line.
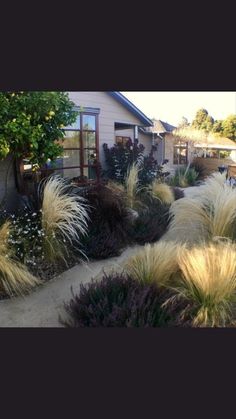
[111, 111]
[146, 140]
[233, 155]
[160, 155]
[169, 153]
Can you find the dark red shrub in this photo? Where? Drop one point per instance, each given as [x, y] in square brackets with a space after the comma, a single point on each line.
[116, 301]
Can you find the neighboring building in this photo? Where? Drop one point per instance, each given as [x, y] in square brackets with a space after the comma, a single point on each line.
[161, 134]
[180, 153]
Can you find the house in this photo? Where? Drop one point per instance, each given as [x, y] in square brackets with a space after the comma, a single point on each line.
[161, 135]
[180, 152]
[104, 117]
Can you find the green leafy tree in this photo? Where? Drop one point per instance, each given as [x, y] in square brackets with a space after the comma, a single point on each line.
[31, 122]
[203, 120]
[229, 127]
[217, 127]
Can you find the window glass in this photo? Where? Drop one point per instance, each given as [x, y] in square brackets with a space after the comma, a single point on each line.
[71, 158]
[122, 140]
[89, 140]
[180, 155]
[89, 122]
[90, 157]
[75, 125]
[71, 139]
[71, 173]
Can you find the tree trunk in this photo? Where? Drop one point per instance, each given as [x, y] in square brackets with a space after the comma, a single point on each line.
[19, 171]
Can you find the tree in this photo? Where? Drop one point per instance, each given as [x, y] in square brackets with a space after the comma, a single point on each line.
[183, 122]
[200, 118]
[217, 127]
[203, 120]
[31, 122]
[229, 127]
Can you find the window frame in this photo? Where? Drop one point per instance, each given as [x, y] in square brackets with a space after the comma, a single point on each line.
[180, 145]
[48, 170]
[82, 165]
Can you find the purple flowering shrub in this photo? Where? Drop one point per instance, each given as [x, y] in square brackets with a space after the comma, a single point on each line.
[116, 301]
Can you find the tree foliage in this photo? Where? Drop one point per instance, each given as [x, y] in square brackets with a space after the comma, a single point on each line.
[183, 122]
[203, 120]
[229, 127]
[226, 128]
[31, 122]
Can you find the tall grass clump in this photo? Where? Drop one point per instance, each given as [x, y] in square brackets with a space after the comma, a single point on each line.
[162, 191]
[209, 213]
[155, 263]
[14, 277]
[64, 213]
[184, 177]
[208, 284]
[223, 213]
[132, 185]
[210, 188]
[189, 221]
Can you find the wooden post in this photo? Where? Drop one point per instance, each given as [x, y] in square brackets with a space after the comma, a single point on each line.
[136, 132]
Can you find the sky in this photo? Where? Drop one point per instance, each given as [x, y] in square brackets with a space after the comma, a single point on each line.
[172, 106]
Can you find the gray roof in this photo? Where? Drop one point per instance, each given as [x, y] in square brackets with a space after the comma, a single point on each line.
[162, 127]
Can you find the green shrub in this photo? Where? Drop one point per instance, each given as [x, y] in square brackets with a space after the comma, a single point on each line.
[184, 177]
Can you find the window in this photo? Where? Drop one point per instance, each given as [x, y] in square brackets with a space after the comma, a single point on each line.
[81, 150]
[122, 140]
[180, 153]
[80, 160]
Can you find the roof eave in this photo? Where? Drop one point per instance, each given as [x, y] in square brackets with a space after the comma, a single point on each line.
[132, 108]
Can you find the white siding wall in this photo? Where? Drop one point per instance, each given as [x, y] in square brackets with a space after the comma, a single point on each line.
[146, 140]
[233, 155]
[111, 111]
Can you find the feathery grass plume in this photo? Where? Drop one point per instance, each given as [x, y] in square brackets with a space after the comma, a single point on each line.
[208, 283]
[63, 212]
[155, 263]
[4, 234]
[162, 191]
[132, 185]
[223, 213]
[115, 187]
[14, 277]
[190, 222]
[209, 189]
